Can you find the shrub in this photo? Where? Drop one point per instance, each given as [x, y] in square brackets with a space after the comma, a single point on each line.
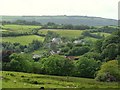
[109, 72]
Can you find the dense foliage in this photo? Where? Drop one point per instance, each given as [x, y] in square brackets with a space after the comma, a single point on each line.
[57, 65]
[109, 71]
[86, 67]
[59, 55]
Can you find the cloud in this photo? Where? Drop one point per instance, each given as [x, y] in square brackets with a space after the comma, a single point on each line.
[101, 8]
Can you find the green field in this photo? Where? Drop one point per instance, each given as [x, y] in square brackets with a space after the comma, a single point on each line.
[24, 40]
[27, 80]
[19, 28]
[62, 32]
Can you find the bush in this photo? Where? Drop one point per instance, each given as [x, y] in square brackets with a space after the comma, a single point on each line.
[109, 72]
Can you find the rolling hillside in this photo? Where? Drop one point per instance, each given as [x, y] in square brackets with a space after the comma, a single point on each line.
[28, 80]
[75, 20]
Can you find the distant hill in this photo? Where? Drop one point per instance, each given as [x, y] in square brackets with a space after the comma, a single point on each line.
[75, 20]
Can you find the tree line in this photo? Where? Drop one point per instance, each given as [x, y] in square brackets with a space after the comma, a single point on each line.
[49, 25]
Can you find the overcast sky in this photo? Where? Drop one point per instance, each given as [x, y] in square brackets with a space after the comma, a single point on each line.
[99, 8]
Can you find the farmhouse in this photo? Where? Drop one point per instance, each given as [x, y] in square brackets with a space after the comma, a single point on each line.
[56, 40]
[79, 42]
[36, 57]
[54, 52]
[72, 57]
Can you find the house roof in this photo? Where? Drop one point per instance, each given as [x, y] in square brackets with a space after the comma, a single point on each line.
[36, 56]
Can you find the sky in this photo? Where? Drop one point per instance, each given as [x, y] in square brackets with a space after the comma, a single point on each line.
[98, 8]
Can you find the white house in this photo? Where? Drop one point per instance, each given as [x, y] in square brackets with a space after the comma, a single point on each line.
[79, 41]
[56, 40]
[36, 57]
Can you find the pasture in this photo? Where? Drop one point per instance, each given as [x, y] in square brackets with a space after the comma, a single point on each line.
[63, 32]
[19, 28]
[24, 40]
[28, 80]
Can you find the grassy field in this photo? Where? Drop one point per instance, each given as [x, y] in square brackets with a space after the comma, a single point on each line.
[19, 28]
[62, 32]
[24, 40]
[27, 80]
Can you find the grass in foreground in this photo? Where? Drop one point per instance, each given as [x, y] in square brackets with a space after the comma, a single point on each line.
[24, 40]
[27, 80]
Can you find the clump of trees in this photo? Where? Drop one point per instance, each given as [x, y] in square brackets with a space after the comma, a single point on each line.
[50, 35]
[18, 62]
[86, 67]
[21, 22]
[53, 65]
[77, 51]
[17, 47]
[109, 47]
[34, 45]
[96, 56]
[105, 29]
[49, 25]
[88, 34]
[109, 72]
[57, 65]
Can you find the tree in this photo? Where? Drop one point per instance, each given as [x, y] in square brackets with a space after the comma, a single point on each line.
[98, 46]
[57, 65]
[19, 62]
[110, 52]
[50, 35]
[111, 39]
[76, 51]
[81, 27]
[94, 55]
[37, 67]
[34, 31]
[5, 55]
[86, 67]
[15, 65]
[86, 33]
[50, 24]
[65, 49]
[109, 71]
[70, 45]
[33, 46]
[111, 46]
